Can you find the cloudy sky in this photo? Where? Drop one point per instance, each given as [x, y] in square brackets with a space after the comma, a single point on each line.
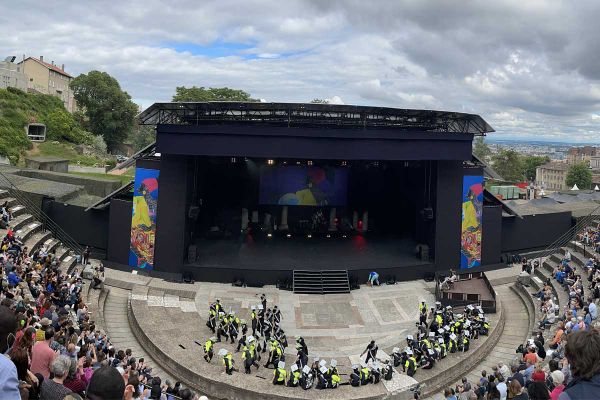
[531, 68]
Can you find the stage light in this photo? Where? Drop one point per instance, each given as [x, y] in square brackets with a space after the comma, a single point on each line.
[309, 236]
[344, 163]
[269, 235]
[344, 236]
[233, 160]
[309, 162]
[288, 235]
[297, 162]
[270, 162]
[328, 235]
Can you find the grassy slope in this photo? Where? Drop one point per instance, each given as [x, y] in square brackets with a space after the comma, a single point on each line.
[17, 109]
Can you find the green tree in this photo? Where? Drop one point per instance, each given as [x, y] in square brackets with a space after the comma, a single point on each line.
[108, 110]
[481, 149]
[530, 164]
[142, 136]
[194, 93]
[508, 164]
[579, 174]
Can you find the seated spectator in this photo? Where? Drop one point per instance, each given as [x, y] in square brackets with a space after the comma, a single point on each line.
[557, 379]
[53, 389]
[583, 355]
[538, 391]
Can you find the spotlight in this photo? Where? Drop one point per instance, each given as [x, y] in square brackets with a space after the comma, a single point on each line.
[289, 235]
[344, 163]
[328, 235]
[309, 236]
[309, 162]
[270, 162]
[297, 162]
[269, 235]
[233, 160]
[344, 236]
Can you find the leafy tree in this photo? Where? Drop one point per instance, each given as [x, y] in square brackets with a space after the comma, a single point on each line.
[508, 164]
[142, 136]
[530, 164]
[194, 93]
[320, 101]
[108, 110]
[481, 149]
[579, 174]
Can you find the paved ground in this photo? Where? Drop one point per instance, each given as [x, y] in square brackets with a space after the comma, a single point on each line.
[331, 324]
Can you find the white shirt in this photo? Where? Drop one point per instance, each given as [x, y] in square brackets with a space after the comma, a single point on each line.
[502, 389]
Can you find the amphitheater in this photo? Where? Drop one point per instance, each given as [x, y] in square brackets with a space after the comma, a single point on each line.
[164, 322]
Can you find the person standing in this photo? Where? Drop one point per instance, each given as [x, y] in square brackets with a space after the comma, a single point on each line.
[42, 355]
[9, 380]
[371, 351]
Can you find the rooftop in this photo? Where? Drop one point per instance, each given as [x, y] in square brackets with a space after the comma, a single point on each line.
[53, 67]
[555, 165]
[315, 115]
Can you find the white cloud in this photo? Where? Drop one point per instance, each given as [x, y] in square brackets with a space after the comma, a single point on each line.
[531, 68]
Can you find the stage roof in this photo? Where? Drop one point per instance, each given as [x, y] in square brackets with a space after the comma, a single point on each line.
[313, 115]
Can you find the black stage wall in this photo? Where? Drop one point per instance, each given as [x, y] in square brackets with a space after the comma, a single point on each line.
[244, 140]
[89, 228]
[491, 235]
[120, 231]
[533, 232]
[171, 219]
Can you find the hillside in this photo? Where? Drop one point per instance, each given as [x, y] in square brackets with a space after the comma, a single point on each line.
[18, 108]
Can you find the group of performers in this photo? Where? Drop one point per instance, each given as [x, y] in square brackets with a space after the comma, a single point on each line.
[446, 333]
[439, 332]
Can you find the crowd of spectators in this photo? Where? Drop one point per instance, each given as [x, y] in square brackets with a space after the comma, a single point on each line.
[52, 349]
[566, 364]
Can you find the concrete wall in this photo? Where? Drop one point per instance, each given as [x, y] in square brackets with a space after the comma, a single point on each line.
[53, 166]
[11, 75]
[94, 186]
[87, 170]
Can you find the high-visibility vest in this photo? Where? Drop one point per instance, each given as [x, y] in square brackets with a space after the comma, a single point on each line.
[253, 315]
[364, 373]
[296, 377]
[422, 307]
[335, 379]
[246, 353]
[282, 374]
[208, 346]
[426, 342]
[227, 360]
[409, 361]
[439, 320]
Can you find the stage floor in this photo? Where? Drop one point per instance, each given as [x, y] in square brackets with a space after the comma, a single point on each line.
[349, 253]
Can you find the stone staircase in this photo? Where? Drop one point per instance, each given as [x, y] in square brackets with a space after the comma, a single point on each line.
[321, 281]
[33, 235]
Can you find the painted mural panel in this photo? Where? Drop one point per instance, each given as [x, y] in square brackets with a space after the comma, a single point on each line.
[143, 218]
[472, 209]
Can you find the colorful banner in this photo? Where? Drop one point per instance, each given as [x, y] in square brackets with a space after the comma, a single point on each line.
[472, 208]
[143, 219]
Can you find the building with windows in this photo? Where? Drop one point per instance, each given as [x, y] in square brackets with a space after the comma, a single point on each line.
[49, 79]
[11, 75]
[552, 176]
[579, 154]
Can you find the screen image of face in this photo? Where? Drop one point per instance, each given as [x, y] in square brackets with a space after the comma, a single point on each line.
[303, 186]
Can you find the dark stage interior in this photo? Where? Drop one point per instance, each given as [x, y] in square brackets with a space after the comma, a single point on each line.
[341, 215]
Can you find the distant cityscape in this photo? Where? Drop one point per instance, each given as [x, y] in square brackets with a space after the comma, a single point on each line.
[554, 150]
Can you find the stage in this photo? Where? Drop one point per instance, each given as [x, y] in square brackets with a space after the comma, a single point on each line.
[277, 253]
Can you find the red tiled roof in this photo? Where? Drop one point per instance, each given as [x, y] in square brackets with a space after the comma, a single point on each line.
[49, 66]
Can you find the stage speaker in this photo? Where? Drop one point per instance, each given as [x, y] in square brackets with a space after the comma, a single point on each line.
[188, 277]
[193, 212]
[427, 213]
[192, 253]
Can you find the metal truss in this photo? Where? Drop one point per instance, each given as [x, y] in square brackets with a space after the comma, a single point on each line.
[313, 115]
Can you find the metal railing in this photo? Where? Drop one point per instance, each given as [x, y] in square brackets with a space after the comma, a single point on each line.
[36, 211]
